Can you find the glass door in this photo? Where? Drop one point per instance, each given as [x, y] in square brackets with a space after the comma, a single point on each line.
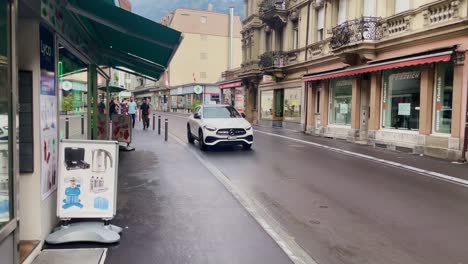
[8, 224]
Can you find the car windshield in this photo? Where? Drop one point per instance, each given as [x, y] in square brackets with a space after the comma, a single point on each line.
[220, 112]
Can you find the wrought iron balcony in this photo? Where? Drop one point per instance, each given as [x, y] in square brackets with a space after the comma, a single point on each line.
[274, 13]
[273, 59]
[357, 30]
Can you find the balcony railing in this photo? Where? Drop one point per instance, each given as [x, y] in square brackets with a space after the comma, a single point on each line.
[272, 5]
[357, 30]
[273, 59]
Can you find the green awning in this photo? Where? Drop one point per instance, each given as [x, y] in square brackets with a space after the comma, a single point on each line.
[125, 39]
[112, 89]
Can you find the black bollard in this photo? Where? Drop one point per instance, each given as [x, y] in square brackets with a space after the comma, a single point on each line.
[154, 121]
[67, 128]
[166, 129]
[159, 125]
[82, 124]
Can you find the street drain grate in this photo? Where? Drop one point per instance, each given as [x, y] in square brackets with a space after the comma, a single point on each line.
[72, 256]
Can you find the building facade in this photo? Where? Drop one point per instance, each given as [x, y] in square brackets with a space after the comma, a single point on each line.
[388, 73]
[205, 51]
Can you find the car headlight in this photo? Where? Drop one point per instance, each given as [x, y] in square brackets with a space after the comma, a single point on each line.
[210, 128]
[248, 128]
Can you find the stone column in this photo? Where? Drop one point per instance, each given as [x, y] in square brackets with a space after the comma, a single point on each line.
[426, 100]
[457, 115]
[324, 105]
[310, 122]
[375, 101]
[353, 134]
[356, 104]
[375, 104]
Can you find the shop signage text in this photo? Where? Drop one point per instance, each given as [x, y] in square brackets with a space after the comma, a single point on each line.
[230, 85]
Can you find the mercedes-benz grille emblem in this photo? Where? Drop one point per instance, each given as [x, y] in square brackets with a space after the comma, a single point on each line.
[231, 132]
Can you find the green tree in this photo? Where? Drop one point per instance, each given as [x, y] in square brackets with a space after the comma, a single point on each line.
[195, 103]
[67, 103]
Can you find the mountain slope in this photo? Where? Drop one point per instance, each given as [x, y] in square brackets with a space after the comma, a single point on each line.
[156, 9]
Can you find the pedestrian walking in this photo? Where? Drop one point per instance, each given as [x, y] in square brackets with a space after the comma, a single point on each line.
[132, 110]
[113, 108]
[124, 107]
[101, 107]
[145, 111]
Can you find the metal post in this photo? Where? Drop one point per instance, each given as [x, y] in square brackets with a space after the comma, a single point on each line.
[67, 127]
[154, 121]
[159, 125]
[166, 127]
[82, 124]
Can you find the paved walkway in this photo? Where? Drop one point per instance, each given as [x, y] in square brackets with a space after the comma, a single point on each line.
[173, 210]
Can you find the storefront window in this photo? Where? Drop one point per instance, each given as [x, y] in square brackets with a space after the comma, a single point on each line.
[266, 99]
[5, 129]
[292, 105]
[443, 98]
[239, 101]
[73, 94]
[401, 98]
[340, 101]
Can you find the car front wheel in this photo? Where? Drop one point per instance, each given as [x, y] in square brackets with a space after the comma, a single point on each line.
[190, 137]
[201, 141]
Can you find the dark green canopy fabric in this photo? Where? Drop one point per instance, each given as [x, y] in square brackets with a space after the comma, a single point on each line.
[125, 39]
[112, 89]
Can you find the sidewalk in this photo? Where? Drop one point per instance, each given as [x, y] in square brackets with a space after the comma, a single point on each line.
[417, 161]
[173, 210]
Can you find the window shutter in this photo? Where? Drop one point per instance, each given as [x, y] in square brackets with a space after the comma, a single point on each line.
[321, 18]
[342, 8]
[369, 8]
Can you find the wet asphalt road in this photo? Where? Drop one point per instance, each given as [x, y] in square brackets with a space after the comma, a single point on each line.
[343, 209]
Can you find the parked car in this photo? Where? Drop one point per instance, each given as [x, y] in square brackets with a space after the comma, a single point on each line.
[214, 125]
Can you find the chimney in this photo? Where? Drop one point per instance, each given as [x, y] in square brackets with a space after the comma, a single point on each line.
[231, 33]
[210, 7]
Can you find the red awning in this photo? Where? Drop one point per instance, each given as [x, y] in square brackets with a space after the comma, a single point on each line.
[437, 57]
[230, 85]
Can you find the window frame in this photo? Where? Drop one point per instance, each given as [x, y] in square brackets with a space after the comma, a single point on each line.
[434, 113]
[408, 131]
[295, 35]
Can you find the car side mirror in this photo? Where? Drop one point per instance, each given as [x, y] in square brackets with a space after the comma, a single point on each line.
[196, 116]
[243, 115]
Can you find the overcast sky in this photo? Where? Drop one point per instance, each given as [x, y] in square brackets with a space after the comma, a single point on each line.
[156, 9]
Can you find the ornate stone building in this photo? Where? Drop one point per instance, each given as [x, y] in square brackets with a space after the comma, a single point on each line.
[389, 73]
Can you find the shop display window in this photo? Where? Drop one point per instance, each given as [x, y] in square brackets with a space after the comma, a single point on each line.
[266, 105]
[292, 105]
[443, 97]
[6, 194]
[340, 101]
[401, 99]
[73, 94]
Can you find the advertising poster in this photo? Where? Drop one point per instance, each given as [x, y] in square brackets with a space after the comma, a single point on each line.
[48, 105]
[87, 185]
[404, 109]
[122, 128]
[4, 183]
[239, 100]
[102, 127]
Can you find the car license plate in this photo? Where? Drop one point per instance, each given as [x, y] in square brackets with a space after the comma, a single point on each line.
[232, 138]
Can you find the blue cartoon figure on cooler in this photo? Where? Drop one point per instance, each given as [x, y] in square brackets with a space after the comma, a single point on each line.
[101, 203]
[72, 194]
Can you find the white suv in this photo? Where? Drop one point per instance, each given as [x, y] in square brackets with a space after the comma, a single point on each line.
[219, 125]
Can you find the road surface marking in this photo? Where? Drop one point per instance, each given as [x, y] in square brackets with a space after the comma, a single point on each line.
[432, 174]
[287, 243]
